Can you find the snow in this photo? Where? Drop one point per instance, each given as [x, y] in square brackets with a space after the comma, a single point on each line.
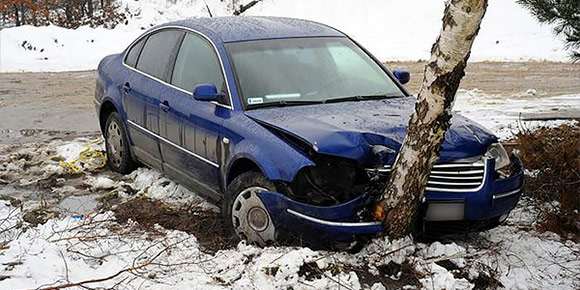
[100, 182]
[72, 249]
[70, 151]
[391, 30]
[151, 183]
[504, 115]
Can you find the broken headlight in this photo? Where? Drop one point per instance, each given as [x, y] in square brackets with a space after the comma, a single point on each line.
[502, 159]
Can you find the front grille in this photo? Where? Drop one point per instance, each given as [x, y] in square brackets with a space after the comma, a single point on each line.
[448, 177]
[456, 177]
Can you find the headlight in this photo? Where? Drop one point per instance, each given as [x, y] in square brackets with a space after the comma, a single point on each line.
[497, 152]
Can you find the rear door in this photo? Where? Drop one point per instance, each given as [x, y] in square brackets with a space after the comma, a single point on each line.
[143, 88]
[191, 128]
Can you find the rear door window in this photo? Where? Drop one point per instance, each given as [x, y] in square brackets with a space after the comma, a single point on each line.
[133, 54]
[157, 53]
[197, 63]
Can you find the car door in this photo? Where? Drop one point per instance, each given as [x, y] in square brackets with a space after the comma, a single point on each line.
[141, 91]
[191, 128]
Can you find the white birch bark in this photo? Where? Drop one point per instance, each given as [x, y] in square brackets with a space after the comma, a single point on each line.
[398, 205]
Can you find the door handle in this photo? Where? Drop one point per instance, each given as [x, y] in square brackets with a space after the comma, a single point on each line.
[164, 106]
[127, 87]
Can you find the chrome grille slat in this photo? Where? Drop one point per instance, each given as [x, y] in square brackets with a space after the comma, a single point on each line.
[458, 165]
[458, 172]
[453, 183]
[455, 177]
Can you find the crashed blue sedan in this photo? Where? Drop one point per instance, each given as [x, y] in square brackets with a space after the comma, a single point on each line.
[292, 127]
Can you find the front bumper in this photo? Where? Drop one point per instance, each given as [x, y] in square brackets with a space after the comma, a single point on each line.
[343, 222]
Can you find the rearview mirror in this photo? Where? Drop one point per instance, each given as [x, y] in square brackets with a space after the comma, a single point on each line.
[206, 92]
[402, 75]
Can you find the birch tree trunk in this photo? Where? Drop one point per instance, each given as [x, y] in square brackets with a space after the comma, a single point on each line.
[399, 202]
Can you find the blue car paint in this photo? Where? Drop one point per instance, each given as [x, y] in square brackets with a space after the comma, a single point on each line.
[348, 129]
[341, 222]
[341, 129]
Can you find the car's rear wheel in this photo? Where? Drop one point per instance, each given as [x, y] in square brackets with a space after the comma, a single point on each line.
[118, 154]
[245, 217]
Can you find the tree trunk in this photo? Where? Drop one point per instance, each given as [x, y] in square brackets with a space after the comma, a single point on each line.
[17, 15]
[90, 8]
[398, 205]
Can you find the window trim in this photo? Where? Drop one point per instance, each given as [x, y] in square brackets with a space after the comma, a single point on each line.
[176, 55]
[132, 47]
[185, 29]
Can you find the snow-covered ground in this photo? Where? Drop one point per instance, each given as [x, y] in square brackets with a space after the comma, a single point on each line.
[392, 30]
[505, 116]
[72, 249]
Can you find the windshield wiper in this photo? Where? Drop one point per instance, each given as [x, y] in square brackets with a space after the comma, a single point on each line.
[283, 103]
[362, 98]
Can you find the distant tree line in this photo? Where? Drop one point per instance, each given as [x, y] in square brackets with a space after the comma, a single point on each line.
[64, 13]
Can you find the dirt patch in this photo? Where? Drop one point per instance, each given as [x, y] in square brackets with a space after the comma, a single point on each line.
[552, 155]
[39, 216]
[392, 275]
[204, 224]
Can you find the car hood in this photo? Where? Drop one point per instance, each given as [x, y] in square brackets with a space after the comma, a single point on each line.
[353, 129]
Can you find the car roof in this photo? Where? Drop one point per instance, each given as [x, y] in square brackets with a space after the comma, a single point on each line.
[247, 28]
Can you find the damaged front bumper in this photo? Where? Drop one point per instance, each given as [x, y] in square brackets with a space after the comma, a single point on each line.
[344, 222]
[337, 223]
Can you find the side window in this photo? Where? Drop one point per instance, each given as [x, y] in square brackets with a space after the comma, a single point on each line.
[197, 63]
[133, 54]
[156, 54]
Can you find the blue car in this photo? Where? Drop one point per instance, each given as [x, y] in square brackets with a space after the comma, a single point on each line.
[292, 127]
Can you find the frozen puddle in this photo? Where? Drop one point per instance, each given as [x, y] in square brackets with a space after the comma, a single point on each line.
[79, 204]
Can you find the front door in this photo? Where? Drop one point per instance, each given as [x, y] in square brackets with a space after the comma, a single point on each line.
[191, 127]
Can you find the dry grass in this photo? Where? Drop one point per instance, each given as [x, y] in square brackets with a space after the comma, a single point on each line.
[553, 157]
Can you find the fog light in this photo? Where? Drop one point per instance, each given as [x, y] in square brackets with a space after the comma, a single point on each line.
[258, 219]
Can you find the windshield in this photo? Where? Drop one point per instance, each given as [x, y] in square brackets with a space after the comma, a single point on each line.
[307, 70]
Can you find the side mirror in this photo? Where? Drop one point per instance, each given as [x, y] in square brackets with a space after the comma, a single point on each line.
[402, 75]
[206, 92]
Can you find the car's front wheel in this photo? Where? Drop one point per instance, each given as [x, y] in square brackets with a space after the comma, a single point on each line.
[244, 214]
[118, 155]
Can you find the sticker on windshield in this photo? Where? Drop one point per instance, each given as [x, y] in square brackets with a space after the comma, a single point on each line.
[283, 96]
[253, 101]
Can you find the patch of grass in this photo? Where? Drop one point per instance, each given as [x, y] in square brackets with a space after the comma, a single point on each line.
[553, 157]
[205, 225]
[39, 216]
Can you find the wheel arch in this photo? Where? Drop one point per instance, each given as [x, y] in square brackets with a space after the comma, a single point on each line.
[107, 107]
[239, 166]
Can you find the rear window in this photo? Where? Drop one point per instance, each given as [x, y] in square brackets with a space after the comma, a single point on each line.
[133, 54]
[157, 52]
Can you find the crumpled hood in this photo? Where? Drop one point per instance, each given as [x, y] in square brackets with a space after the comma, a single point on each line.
[350, 129]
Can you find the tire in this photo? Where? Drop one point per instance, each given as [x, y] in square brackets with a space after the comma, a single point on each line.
[118, 152]
[241, 201]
